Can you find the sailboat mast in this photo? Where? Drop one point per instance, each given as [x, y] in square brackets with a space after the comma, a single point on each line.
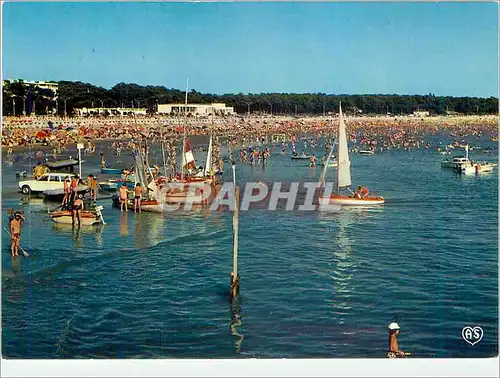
[338, 137]
[184, 136]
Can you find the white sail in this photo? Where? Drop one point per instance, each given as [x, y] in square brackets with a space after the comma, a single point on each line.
[208, 164]
[344, 164]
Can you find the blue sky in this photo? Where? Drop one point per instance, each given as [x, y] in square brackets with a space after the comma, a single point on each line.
[404, 48]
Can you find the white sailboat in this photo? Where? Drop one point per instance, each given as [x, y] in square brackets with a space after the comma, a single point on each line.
[344, 174]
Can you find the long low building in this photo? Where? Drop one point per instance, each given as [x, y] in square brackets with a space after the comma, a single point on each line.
[109, 111]
[196, 109]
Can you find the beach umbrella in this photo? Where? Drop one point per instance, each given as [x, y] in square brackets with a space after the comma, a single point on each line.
[41, 134]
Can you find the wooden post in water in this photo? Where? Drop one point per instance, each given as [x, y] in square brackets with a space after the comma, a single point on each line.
[235, 277]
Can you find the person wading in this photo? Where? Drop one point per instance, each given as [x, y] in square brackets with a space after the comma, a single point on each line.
[124, 197]
[394, 351]
[16, 224]
[66, 192]
[74, 188]
[76, 211]
[137, 198]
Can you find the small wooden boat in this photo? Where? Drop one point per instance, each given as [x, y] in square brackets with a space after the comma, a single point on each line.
[111, 171]
[89, 217]
[301, 157]
[366, 152]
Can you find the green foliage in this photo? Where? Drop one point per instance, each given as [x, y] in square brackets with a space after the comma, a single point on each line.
[79, 95]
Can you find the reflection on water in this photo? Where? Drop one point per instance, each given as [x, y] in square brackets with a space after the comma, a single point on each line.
[77, 237]
[77, 233]
[236, 322]
[148, 229]
[124, 223]
[343, 267]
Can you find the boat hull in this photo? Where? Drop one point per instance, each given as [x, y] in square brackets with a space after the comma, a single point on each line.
[300, 157]
[89, 218]
[151, 206]
[111, 171]
[364, 152]
[352, 201]
[183, 198]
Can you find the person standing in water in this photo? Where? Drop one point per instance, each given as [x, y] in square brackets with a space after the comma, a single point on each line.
[16, 224]
[137, 197]
[394, 351]
[67, 191]
[76, 211]
[123, 197]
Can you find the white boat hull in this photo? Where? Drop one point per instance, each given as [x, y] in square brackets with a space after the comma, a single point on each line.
[183, 198]
[351, 201]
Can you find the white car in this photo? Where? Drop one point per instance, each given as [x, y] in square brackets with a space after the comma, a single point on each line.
[48, 181]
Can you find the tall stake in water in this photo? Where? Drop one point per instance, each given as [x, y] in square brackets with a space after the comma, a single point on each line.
[235, 278]
[184, 137]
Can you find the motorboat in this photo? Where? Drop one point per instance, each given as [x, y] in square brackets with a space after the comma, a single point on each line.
[457, 160]
[366, 152]
[475, 167]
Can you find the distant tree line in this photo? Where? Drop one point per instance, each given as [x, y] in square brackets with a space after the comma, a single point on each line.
[17, 97]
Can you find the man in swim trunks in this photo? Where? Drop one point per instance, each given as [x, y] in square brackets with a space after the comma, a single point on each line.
[16, 224]
[123, 192]
[137, 197]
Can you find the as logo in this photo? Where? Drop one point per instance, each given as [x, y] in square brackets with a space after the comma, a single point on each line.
[472, 335]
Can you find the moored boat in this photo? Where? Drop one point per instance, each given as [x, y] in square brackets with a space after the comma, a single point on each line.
[88, 217]
[366, 152]
[111, 171]
[112, 185]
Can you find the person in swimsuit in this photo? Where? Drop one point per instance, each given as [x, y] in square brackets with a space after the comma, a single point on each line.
[124, 197]
[92, 186]
[66, 192]
[76, 211]
[16, 224]
[394, 351]
[74, 188]
[137, 197]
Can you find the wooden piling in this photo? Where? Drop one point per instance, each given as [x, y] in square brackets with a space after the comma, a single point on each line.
[235, 277]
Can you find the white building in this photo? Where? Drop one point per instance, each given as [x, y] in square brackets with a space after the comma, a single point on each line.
[109, 111]
[196, 109]
[421, 113]
[53, 86]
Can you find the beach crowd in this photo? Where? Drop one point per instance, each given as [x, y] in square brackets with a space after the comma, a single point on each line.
[59, 132]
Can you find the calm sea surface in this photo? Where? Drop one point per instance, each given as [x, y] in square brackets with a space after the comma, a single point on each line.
[312, 284]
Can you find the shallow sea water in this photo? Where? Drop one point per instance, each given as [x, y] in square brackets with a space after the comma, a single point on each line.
[312, 284]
